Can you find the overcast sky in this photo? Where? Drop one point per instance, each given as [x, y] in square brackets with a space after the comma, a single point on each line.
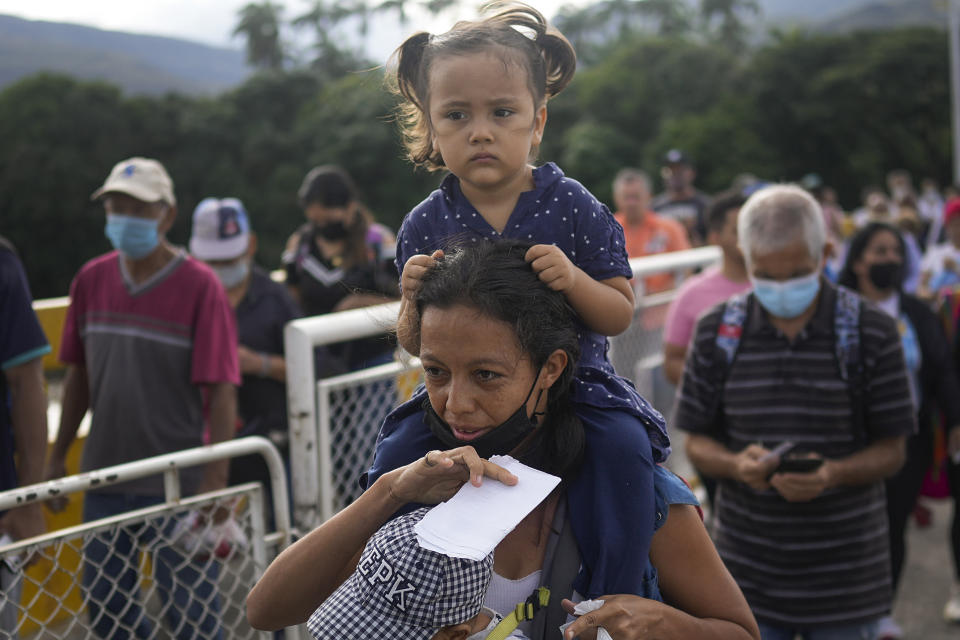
[209, 21]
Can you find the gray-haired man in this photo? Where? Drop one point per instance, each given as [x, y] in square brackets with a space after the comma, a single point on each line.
[796, 398]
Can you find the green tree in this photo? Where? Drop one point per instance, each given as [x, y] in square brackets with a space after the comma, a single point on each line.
[849, 107]
[350, 123]
[732, 31]
[259, 24]
[60, 139]
[635, 89]
[332, 58]
[600, 28]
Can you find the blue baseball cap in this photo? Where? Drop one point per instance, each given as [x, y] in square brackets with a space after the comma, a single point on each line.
[221, 229]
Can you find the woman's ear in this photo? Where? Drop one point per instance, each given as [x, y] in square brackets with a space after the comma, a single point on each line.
[554, 367]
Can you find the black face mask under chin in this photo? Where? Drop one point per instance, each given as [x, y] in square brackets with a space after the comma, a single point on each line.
[334, 230]
[498, 441]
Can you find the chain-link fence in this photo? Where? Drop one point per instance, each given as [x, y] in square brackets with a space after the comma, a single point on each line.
[637, 353]
[142, 567]
[352, 407]
[351, 410]
[334, 422]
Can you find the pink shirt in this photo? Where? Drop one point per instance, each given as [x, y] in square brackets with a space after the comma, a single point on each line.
[699, 293]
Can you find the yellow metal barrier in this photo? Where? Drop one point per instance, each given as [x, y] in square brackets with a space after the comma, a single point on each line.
[61, 592]
[57, 574]
[52, 314]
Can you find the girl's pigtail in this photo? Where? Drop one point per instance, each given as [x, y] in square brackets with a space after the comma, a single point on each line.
[559, 60]
[409, 59]
[410, 83]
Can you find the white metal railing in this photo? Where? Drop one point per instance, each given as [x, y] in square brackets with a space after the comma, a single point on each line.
[169, 465]
[675, 261]
[350, 410]
[53, 607]
[312, 460]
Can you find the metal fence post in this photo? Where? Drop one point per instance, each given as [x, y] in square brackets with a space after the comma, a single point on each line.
[302, 421]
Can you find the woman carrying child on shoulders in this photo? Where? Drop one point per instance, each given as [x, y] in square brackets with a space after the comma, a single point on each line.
[475, 103]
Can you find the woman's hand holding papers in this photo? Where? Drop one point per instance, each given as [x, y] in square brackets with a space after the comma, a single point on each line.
[437, 476]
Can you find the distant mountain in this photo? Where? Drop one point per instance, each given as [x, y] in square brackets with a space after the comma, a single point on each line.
[839, 16]
[883, 15]
[805, 11]
[137, 63]
[156, 65]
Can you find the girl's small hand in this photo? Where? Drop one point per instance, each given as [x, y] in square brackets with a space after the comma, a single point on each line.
[413, 271]
[552, 266]
[438, 475]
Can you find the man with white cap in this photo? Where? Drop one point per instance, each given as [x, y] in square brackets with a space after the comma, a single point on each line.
[222, 238]
[149, 334]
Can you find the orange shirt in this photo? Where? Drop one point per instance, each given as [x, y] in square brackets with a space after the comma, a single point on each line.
[654, 235]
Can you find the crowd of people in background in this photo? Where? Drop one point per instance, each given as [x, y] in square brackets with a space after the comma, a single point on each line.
[815, 365]
[172, 348]
[900, 250]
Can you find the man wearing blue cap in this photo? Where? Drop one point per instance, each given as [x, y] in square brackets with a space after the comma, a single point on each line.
[222, 238]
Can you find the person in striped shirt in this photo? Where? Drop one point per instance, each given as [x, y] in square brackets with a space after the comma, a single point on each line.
[810, 548]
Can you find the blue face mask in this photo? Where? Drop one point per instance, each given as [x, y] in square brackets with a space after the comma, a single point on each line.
[132, 236]
[789, 298]
[232, 275]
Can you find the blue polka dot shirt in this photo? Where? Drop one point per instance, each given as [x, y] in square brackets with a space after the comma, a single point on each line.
[558, 211]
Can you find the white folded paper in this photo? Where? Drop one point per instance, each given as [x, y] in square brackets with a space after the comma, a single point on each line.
[584, 607]
[476, 519]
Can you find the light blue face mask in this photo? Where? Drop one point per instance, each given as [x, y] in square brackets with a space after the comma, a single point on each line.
[232, 275]
[787, 298]
[132, 236]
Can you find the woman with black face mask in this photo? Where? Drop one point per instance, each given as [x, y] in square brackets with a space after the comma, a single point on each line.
[875, 267]
[499, 349]
[341, 259]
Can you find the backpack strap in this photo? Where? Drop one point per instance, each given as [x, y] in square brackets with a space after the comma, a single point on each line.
[726, 344]
[561, 564]
[731, 329]
[525, 610]
[846, 328]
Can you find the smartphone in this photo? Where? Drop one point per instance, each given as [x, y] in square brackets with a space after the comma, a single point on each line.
[776, 452]
[798, 465]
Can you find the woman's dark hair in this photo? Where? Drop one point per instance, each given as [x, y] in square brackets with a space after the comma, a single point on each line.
[493, 278]
[859, 244]
[327, 185]
[330, 186]
[516, 32]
